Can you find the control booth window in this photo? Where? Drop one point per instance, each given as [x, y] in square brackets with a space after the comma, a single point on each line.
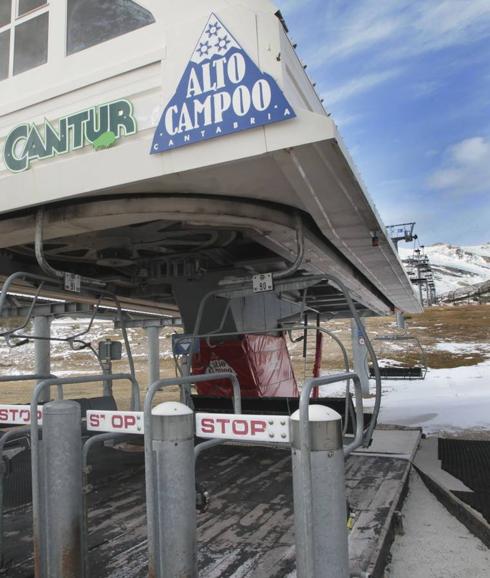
[24, 29]
[91, 22]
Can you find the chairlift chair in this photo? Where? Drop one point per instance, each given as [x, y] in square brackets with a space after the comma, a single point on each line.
[414, 372]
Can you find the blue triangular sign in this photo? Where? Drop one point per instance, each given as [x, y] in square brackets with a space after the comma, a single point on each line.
[221, 92]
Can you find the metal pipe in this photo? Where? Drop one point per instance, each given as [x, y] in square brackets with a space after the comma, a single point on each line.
[347, 368]
[207, 445]
[57, 548]
[174, 491]
[25, 275]
[293, 267]
[182, 382]
[42, 348]
[28, 316]
[305, 448]
[152, 335]
[39, 249]
[359, 354]
[31, 377]
[18, 275]
[362, 330]
[27, 377]
[41, 258]
[87, 446]
[358, 421]
[300, 240]
[38, 390]
[321, 547]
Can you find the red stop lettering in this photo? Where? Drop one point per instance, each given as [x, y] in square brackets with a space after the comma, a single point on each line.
[129, 421]
[223, 423]
[239, 427]
[207, 425]
[258, 426]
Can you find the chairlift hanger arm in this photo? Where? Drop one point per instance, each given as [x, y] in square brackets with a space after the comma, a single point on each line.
[355, 314]
[100, 292]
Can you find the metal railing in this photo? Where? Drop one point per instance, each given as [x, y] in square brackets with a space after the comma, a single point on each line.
[34, 428]
[87, 446]
[12, 434]
[354, 313]
[30, 377]
[99, 293]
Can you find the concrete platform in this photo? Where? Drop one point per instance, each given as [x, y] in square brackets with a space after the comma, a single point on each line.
[396, 443]
[248, 529]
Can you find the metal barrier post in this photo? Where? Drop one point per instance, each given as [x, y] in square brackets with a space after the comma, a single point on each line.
[328, 532]
[58, 551]
[42, 349]
[153, 335]
[174, 491]
[150, 475]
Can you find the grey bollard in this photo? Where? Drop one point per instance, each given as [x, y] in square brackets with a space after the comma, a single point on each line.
[174, 491]
[60, 492]
[326, 553]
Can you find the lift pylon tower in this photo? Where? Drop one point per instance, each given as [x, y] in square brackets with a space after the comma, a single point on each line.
[401, 232]
[420, 272]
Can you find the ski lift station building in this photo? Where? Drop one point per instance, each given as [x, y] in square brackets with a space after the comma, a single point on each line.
[171, 143]
[175, 158]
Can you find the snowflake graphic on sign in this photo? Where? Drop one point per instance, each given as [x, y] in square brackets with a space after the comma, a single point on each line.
[221, 92]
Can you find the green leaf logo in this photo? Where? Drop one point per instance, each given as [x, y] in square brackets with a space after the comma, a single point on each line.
[104, 141]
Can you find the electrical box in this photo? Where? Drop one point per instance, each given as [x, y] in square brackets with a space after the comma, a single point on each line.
[110, 350]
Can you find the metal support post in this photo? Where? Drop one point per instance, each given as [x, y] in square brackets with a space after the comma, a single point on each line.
[186, 391]
[42, 349]
[320, 517]
[58, 548]
[360, 356]
[107, 385]
[153, 336]
[174, 492]
[400, 320]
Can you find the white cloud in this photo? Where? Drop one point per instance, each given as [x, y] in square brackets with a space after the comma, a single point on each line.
[401, 28]
[466, 168]
[358, 85]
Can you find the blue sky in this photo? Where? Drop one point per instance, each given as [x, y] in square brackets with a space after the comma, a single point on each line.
[408, 83]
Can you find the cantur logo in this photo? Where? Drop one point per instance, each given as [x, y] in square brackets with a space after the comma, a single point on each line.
[221, 92]
[100, 126]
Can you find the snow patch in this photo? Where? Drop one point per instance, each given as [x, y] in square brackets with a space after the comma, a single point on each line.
[447, 400]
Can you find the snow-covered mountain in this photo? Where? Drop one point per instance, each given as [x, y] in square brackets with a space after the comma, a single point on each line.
[455, 266]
